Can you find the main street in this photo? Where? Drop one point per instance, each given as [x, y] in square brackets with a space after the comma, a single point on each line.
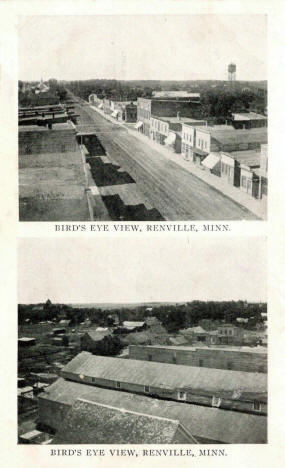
[173, 191]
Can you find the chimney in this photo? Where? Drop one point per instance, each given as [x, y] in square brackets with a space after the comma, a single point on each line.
[178, 115]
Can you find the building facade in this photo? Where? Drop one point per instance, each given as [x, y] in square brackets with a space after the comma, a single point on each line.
[249, 360]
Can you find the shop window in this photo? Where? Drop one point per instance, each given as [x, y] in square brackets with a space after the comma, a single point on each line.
[257, 406]
[182, 396]
[216, 401]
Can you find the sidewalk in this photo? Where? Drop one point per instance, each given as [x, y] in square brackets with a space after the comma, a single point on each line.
[258, 207]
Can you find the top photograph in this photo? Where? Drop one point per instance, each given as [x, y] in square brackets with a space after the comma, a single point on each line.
[142, 118]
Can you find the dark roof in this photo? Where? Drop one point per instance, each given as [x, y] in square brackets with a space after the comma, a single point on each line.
[90, 422]
[209, 423]
[161, 375]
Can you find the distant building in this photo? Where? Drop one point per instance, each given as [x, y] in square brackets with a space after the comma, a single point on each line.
[152, 107]
[237, 359]
[26, 342]
[230, 334]
[96, 341]
[247, 120]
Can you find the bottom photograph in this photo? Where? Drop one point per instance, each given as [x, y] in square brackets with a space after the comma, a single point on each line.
[142, 341]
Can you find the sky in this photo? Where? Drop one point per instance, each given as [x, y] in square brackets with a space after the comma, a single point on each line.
[152, 47]
[171, 269]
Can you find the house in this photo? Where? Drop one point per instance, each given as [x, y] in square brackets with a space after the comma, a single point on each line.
[132, 326]
[242, 391]
[60, 340]
[247, 120]
[58, 330]
[238, 359]
[64, 323]
[230, 334]
[97, 342]
[167, 107]
[194, 334]
[178, 340]
[26, 342]
[89, 422]
[206, 424]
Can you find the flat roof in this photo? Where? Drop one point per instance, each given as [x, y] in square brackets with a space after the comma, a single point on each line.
[248, 116]
[42, 128]
[244, 349]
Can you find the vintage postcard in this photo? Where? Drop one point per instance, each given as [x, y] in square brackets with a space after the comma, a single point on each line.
[143, 118]
[142, 235]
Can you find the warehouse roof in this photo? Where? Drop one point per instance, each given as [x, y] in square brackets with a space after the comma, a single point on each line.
[209, 423]
[90, 422]
[243, 349]
[171, 376]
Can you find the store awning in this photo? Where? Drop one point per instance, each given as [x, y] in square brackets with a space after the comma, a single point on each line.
[100, 106]
[211, 160]
[170, 140]
[115, 113]
[138, 125]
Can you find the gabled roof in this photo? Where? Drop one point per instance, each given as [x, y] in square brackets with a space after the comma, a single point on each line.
[209, 423]
[89, 422]
[98, 335]
[161, 375]
[178, 340]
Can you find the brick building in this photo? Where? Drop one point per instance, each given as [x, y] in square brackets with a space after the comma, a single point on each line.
[148, 107]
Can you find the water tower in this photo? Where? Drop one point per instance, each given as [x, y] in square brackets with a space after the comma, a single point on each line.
[232, 72]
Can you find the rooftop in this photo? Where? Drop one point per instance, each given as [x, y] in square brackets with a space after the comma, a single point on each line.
[41, 128]
[161, 375]
[248, 116]
[250, 158]
[174, 94]
[243, 349]
[90, 422]
[209, 423]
